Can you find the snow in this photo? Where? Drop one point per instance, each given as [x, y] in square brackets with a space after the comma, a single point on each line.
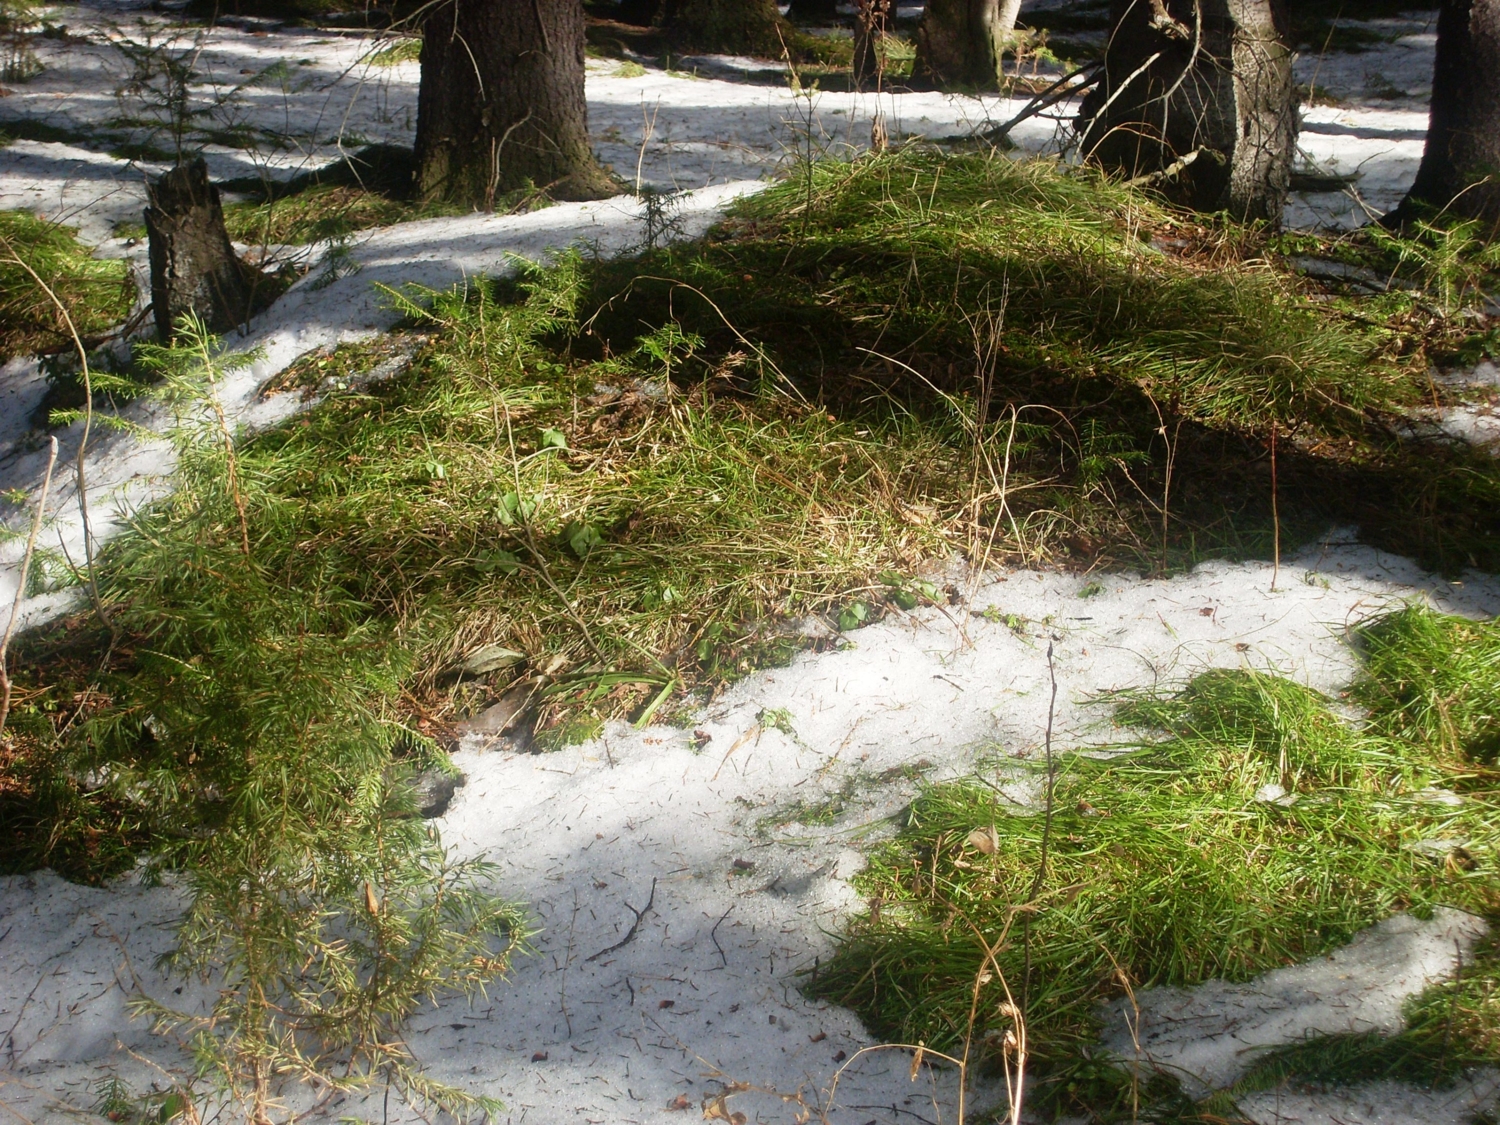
[1210, 1036]
[582, 834]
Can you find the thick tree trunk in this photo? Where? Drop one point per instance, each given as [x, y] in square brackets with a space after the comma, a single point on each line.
[1198, 94]
[193, 266]
[642, 13]
[501, 104]
[739, 27]
[960, 43]
[1460, 169]
[815, 11]
[871, 17]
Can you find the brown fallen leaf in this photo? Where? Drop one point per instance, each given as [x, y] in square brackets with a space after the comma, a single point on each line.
[985, 840]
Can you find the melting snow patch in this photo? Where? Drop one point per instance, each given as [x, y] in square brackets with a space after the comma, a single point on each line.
[1209, 1036]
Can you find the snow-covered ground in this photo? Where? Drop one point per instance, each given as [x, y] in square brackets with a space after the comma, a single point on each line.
[706, 993]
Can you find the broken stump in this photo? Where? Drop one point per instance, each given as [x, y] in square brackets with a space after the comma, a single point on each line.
[194, 268]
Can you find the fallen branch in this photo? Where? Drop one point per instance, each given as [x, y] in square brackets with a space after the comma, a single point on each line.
[634, 926]
[1058, 91]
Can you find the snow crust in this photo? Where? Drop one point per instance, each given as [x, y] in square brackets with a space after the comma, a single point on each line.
[581, 835]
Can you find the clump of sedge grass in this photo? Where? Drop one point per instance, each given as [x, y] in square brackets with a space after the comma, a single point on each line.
[1434, 680]
[98, 293]
[321, 212]
[1264, 830]
[886, 262]
[403, 50]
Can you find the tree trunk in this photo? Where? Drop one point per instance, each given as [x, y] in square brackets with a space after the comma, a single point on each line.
[960, 43]
[822, 12]
[871, 17]
[501, 105]
[1198, 95]
[641, 13]
[193, 266]
[1460, 169]
[738, 27]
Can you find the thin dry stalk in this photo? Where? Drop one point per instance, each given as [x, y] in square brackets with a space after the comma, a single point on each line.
[231, 461]
[83, 441]
[15, 606]
[1041, 869]
[1170, 441]
[648, 130]
[1275, 515]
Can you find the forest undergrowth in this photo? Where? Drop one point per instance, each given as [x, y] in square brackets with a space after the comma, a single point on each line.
[1252, 827]
[604, 489]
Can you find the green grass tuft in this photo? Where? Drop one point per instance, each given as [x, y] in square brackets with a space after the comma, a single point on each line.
[98, 294]
[1434, 680]
[1264, 830]
[398, 52]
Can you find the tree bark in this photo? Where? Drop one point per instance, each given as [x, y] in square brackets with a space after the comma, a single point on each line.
[960, 43]
[501, 104]
[871, 18]
[1198, 95]
[815, 11]
[1460, 169]
[193, 266]
[741, 27]
[642, 13]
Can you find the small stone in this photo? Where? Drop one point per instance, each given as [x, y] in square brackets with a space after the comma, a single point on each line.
[434, 789]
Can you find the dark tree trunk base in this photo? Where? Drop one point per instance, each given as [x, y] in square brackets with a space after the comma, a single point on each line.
[193, 266]
[1460, 170]
[735, 27]
[501, 107]
[1198, 96]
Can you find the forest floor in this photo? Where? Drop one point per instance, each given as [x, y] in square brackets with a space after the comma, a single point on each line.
[735, 837]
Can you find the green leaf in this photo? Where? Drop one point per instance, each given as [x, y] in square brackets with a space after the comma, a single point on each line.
[497, 561]
[853, 616]
[554, 439]
[513, 509]
[582, 538]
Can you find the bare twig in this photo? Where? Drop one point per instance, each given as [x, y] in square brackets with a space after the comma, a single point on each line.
[634, 926]
[83, 441]
[1275, 515]
[15, 606]
[1041, 867]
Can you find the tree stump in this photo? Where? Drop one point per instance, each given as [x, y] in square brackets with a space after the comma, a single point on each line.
[193, 266]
